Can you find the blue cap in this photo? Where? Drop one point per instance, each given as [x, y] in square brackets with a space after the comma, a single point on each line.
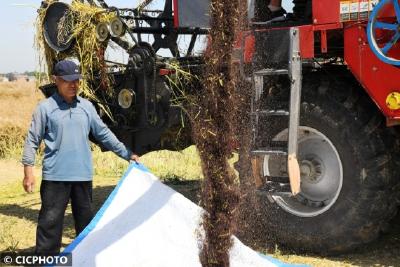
[67, 70]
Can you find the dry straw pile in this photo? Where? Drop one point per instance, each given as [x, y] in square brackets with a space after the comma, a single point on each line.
[79, 24]
[17, 101]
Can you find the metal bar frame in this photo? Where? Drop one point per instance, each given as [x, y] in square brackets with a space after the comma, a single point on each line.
[295, 74]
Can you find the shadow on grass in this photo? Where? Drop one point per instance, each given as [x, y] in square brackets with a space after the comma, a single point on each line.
[15, 210]
[382, 252]
[18, 211]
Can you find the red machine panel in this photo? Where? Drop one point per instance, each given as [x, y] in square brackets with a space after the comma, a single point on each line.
[306, 41]
[378, 78]
[244, 47]
[334, 11]
[326, 11]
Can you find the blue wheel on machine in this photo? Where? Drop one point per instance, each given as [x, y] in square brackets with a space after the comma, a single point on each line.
[382, 49]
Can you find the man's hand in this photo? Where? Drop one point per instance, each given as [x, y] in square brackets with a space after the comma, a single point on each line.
[29, 179]
[134, 158]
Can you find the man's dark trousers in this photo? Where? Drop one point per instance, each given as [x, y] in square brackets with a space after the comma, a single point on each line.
[55, 196]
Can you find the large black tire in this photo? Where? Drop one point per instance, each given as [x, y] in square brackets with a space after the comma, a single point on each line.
[368, 150]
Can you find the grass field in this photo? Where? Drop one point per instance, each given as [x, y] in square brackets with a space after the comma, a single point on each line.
[18, 210]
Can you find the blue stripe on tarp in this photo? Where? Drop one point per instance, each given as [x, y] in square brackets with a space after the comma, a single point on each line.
[279, 263]
[107, 203]
[103, 208]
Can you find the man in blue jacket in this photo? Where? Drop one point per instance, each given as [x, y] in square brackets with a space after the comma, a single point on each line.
[64, 122]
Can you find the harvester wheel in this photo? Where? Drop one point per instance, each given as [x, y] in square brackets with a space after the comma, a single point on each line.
[349, 171]
[383, 31]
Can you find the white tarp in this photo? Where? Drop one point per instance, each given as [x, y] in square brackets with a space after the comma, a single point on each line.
[145, 223]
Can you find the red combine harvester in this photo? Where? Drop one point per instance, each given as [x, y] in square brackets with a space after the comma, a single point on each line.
[324, 109]
[325, 104]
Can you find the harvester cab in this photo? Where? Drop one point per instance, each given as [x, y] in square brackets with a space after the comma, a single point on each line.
[300, 13]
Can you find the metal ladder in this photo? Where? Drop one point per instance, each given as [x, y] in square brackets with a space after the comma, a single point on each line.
[295, 75]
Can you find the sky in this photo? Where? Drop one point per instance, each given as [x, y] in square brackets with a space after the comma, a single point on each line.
[17, 18]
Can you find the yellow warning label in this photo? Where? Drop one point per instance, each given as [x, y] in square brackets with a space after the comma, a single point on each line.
[344, 10]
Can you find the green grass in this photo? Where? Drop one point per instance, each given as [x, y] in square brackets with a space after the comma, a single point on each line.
[164, 164]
